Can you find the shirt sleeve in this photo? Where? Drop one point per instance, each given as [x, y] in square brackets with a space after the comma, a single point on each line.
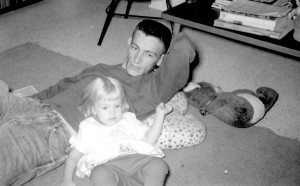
[174, 72]
[81, 141]
[64, 84]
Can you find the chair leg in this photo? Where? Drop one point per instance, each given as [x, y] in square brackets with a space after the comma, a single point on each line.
[128, 8]
[169, 6]
[110, 13]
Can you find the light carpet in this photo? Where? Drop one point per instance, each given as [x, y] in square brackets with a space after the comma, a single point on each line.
[229, 156]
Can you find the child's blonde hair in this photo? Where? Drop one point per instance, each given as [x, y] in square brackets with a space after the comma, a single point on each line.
[102, 88]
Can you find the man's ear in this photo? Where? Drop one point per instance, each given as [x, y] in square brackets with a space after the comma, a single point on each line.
[129, 41]
[160, 60]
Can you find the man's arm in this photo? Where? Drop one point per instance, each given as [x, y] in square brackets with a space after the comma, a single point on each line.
[86, 75]
[62, 85]
[174, 72]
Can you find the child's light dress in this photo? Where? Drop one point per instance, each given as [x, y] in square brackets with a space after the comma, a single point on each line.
[100, 143]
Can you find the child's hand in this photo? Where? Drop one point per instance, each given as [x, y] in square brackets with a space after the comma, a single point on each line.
[163, 109]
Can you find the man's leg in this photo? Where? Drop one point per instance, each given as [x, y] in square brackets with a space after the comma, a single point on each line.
[13, 107]
[33, 138]
[31, 146]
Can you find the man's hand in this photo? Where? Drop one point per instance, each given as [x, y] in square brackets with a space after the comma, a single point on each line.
[191, 86]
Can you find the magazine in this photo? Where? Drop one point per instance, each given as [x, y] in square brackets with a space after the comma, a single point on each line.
[256, 8]
[278, 34]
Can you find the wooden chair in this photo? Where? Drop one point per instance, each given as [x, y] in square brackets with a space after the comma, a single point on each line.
[110, 11]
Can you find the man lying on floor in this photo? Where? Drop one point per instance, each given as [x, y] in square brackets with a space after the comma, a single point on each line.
[35, 132]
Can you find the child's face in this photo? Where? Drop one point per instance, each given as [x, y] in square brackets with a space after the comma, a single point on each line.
[109, 112]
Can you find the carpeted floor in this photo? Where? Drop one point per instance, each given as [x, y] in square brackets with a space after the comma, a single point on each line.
[229, 156]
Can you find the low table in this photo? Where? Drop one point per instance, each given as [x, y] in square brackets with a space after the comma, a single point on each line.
[201, 16]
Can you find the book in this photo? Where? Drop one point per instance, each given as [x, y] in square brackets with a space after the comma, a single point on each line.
[219, 4]
[223, 4]
[252, 20]
[257, 8]
[278, 34]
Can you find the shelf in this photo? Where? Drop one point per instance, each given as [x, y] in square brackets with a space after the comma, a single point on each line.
[17, 4]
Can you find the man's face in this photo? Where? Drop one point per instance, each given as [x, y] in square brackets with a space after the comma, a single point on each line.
[144, 52]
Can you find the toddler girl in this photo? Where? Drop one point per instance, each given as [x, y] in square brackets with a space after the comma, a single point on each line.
[113, 142]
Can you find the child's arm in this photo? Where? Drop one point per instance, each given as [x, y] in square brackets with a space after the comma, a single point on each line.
[154, 132]
[70, 167]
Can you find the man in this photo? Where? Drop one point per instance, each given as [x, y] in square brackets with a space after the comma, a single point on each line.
[34, 133]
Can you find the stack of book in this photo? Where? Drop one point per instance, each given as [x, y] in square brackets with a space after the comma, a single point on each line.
[4, 3]
[258, 18]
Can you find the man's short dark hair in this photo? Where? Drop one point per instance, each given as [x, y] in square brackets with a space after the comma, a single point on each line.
[155, 29]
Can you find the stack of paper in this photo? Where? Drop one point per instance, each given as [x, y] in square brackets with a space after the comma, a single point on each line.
[259, 18]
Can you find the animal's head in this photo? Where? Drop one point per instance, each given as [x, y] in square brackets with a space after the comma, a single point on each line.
[201, 94]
